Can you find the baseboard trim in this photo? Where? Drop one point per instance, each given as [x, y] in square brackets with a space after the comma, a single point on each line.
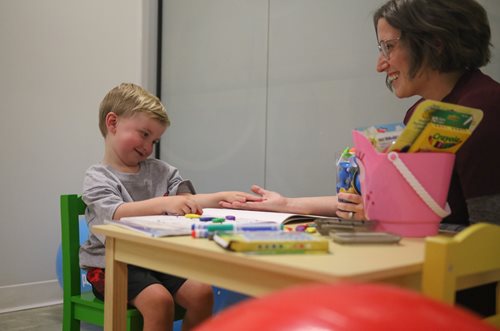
[30, 295]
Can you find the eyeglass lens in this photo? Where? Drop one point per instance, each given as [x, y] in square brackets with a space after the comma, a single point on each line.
[385, 46]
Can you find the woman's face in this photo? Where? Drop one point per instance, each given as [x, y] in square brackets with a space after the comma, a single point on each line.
[397, 63]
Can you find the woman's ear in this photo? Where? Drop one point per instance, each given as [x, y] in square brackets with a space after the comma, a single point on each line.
[438, 45]
[111, 122]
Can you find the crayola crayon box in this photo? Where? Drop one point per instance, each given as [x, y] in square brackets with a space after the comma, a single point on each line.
[439, 138]
[437, 127]
[272, 242]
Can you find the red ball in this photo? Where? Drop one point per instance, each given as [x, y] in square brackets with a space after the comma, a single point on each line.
[344, 307]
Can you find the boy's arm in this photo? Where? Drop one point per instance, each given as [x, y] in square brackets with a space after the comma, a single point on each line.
[176, 205]
[212, 200]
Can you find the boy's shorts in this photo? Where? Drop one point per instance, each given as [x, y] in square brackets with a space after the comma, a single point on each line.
[138, 280]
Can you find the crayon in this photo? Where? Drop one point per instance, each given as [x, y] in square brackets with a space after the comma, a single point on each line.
[192, 216]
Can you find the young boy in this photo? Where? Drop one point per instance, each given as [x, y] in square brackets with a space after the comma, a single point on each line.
[128, 183]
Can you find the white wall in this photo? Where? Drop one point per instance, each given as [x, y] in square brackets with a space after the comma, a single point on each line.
[214, 87]
[268, 91]
[58, 60]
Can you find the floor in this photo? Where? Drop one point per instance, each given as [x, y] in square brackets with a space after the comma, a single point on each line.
[50, 318]
[39, 319]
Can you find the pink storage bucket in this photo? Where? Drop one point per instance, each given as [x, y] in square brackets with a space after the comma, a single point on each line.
[405, 193]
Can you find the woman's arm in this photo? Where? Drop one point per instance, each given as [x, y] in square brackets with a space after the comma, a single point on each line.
[324, 205]
[214, 200]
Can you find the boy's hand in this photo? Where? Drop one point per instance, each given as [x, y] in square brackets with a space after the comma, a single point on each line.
[264, 201]
[181, 205]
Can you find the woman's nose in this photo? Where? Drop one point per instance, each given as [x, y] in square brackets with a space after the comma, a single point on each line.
[382, 63]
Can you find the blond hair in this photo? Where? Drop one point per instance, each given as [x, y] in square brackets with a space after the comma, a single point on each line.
[128, 99]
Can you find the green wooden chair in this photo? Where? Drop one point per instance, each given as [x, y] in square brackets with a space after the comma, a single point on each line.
[85, 306]
[79, 306]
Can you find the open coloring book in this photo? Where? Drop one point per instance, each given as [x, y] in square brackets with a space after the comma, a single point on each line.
[168, 225]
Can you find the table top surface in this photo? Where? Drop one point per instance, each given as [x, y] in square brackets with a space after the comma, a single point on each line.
[362, 262]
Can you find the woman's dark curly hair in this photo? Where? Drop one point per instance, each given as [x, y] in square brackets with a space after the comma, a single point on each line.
[447, 35]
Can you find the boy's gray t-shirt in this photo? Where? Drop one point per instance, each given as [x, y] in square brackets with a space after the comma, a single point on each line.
[104, 189]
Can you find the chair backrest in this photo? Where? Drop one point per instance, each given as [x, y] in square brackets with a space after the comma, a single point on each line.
[469, 259]
[72, 206]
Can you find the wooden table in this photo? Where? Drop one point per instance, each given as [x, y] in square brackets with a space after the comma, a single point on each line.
[255, 275]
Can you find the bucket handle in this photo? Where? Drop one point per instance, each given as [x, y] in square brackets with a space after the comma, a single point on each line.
[415, 184]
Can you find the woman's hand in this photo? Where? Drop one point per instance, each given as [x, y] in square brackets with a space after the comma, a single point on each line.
[350, 206]
[239, 197]
[266, 201]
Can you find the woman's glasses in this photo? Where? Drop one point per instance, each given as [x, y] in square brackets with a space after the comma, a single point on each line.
[385, 46]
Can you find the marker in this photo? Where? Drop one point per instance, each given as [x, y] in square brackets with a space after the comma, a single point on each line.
[204, 233]
[238, 227]
[192, 216]
[201, 233]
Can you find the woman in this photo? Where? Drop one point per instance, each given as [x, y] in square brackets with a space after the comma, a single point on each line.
[434, 49]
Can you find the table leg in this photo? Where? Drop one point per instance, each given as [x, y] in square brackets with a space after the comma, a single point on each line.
[115, 305]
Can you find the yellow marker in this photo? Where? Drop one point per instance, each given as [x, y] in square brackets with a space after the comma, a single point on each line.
[192, 216]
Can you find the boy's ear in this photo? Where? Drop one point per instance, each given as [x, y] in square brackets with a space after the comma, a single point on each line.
[111, 121]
